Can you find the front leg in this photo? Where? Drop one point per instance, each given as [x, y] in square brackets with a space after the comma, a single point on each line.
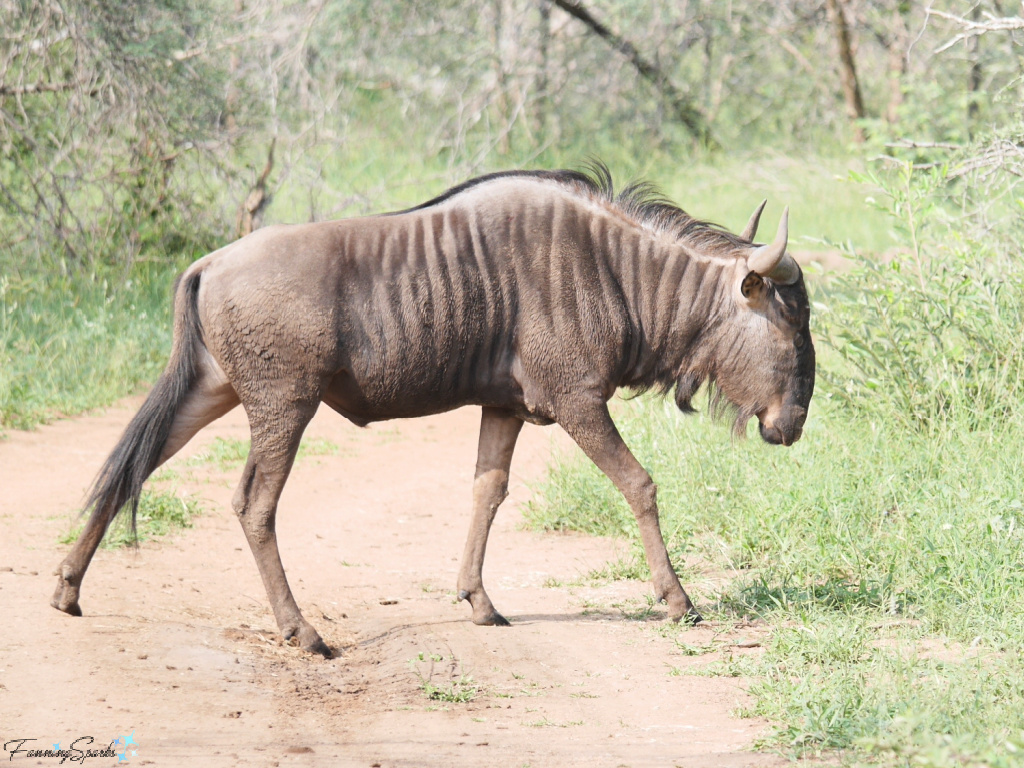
[591, 426]
[498, 432]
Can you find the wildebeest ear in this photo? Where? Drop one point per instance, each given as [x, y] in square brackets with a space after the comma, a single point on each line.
[752, 285]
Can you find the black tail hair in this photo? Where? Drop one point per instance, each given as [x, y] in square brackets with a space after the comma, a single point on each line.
[136, 454]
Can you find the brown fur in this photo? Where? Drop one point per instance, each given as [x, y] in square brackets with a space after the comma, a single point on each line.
[532, 294]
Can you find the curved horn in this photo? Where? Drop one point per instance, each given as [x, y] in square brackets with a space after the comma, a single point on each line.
[750, 231]
[772, 261]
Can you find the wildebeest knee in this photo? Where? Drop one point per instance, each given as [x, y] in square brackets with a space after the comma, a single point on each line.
[257, 522]
[243, 493]
[491, 487]
[240, 499]
[644, 499]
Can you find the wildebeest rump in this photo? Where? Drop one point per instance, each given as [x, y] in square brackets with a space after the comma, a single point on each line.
[532, 294]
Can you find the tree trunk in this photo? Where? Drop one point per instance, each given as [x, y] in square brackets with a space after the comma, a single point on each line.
[544, 43]
[235, 63]
[250, 214]
[501, 80]
[897, 59]
[847, 68]
[974, 78]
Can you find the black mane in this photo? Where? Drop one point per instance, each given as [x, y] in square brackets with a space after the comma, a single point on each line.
[641, 201]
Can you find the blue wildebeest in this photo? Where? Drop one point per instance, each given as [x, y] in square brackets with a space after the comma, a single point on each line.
[532, 294]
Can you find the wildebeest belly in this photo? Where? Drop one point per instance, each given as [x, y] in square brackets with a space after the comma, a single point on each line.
[394, 397]
[402, 372]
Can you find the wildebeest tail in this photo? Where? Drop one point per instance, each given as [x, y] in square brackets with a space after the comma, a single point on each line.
[136, 454]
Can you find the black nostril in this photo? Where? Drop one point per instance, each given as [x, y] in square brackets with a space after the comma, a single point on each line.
[771, 435]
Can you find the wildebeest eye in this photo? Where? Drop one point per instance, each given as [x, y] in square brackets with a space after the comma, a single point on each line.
[798, 340]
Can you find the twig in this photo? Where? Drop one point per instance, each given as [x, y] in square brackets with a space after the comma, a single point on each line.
[911, 144]
[24, 90]
[686, 112]
[897, 161]
[795, 53]
[976, 28]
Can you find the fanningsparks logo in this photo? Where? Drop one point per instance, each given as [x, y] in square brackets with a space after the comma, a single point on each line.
[124, 748]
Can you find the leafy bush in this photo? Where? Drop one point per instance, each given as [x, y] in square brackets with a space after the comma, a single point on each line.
[933, 336]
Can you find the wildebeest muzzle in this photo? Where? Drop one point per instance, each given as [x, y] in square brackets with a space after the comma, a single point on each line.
[784, 430]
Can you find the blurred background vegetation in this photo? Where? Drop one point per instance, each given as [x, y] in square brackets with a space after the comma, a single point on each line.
[884, 552]
[138, 131]
[135, 138]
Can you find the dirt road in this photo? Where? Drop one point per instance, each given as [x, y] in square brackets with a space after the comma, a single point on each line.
[178, 647]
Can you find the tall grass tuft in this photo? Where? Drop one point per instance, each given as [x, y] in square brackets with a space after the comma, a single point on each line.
[160, 513]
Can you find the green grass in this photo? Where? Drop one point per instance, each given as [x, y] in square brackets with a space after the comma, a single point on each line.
[68, 344]
[458, 688]
[226, 453]
[883, 552]
[160, 513]
[460, 691]
[855, 545]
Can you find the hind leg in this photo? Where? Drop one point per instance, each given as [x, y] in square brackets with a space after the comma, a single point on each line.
[276, 434]
[498, 433]
[208, 399]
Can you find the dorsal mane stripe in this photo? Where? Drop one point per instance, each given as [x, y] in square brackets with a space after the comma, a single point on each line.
[640, 201]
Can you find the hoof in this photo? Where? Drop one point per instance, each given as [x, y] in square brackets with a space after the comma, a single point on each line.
[493, 619]
[308, 640]
[486, 616]
[71, 609]
[690, 618]
[65, 598]
[319, 647]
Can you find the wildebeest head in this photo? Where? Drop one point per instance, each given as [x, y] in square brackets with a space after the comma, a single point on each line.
[765, 360]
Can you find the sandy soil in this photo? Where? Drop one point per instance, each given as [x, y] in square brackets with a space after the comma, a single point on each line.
[178, 644]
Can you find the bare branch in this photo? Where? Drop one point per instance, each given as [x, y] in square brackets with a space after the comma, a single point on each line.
[250, 215]
[686, 112]
[205, 49]
[972, 28]
[25, 90]
[1003, 154]
[910, 144]
[792, 50]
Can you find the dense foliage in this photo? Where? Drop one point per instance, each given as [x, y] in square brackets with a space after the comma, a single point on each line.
[137, 131]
